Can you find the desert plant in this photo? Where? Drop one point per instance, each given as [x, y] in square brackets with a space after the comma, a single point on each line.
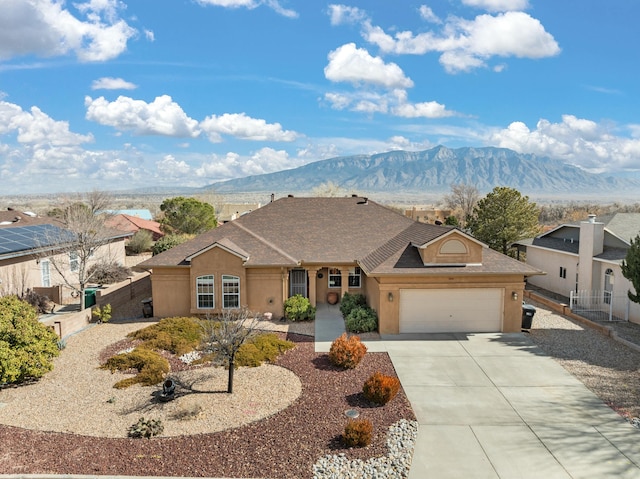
[108, 273]
[146, 428]
[361, 319]
[298, 308]
[150, 365]
[140, 242]
[350, 301]
[381, 389]
[186, 411]
[179, 335]
[347, 352]
[102, 314]
[27, 347]
[61, 344]
[261, 348]
[42, 303]
[357, 433]
[168, 242]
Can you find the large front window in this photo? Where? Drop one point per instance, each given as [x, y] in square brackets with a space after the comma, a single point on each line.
[205, 292]
[335, 278]
[230, 292]
[354, 277]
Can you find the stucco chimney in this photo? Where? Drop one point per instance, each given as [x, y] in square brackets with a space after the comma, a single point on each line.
[591, 244]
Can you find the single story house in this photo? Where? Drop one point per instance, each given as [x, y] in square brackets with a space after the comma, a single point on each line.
[133, 224]
[31, 245]
[418, 277]
[584, 260]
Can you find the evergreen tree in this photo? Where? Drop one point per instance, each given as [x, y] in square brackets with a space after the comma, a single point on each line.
[631, 268]
[187, 216]
[503, 217]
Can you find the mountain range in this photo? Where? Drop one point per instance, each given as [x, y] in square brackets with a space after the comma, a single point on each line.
[434, 171]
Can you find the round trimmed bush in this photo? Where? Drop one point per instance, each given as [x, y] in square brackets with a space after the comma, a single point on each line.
[361, 319]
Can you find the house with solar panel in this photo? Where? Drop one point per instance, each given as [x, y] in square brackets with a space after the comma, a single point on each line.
[37, 253]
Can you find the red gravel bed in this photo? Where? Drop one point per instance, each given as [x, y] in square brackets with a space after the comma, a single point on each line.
[285, 445]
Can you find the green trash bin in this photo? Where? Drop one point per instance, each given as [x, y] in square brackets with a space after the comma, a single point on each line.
[89, 297]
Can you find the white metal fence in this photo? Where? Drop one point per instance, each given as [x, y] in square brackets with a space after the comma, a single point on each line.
[600, 305]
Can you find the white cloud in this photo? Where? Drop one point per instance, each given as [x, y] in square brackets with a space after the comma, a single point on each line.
[468, 44]
[355, 65]
[109, 83]
[394, 102]
[427, 14]
[498, 5]
[172, 168]
[244, 127]
[45, 28]
[342, 14]
[161, 117]
[149, 35]
[581, 142]
[233, 165]
[251, 4]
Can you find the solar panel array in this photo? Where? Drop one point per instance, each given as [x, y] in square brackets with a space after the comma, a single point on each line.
[24, 238]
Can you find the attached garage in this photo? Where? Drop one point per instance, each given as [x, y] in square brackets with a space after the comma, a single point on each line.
[463, 310]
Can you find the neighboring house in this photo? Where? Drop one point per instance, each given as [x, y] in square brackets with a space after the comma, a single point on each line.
[133, 224]
[427, 215]
[28, 244]
[584, 260]
[418, 277]
[229, 212]
[144, 214]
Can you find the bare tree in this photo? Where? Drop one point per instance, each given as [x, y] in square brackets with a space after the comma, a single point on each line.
[329, 189]
[462, 199]
[225, 335]
[71, 246]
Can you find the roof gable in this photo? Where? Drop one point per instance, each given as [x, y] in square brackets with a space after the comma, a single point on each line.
[225, 244]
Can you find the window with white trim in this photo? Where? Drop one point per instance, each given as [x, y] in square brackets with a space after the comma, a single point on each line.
[335, 278]
[205, 296]
[46, 273]
[74, 261]
[355, 277]
[230, 292]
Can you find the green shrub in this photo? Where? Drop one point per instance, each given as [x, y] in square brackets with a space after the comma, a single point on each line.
[178, 335]
[381, 389]
[150, 365]
[357, 433]
[350, 301]
[361, 319]
[168, 242]
[102, 315]
[108, 273]
[298, 308]
[146, 428]
[27, 347]
[140, 242]
[347, 352]
[263, 347]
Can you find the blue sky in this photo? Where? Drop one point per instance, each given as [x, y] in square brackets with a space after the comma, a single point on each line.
[115, 94]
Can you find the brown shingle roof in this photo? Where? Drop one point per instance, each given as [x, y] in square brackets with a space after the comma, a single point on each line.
[293, 231]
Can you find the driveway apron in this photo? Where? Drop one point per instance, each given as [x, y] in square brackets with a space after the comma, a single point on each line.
[495, 406]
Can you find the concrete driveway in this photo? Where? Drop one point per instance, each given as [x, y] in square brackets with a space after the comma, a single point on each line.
[494, 406]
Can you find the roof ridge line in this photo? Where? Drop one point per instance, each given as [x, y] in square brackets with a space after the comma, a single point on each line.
[264, 241]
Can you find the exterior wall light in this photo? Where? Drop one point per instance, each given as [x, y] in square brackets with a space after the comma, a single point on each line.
[514, 296]
[390, 296]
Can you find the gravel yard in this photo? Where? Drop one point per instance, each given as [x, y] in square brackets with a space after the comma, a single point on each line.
[608, 368]
[280, 420]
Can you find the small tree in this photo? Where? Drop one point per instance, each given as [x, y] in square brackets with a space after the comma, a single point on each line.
[225, 335]
[27, 347]
[168, 242]
[140, 242]
[462, 200]
[187, 216]
[503, 217]
[631, 268]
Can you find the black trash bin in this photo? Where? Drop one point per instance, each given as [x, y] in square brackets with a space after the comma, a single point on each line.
[527, 315]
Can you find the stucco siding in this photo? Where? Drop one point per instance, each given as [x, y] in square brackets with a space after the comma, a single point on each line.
[550, 262]
[171, 291]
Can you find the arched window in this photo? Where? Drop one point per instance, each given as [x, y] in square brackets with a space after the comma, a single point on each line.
[608, 285]
[453, 246]
[205, 296]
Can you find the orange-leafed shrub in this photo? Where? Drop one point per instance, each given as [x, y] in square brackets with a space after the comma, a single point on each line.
[347, 352]
[357, 433]
[381, 389]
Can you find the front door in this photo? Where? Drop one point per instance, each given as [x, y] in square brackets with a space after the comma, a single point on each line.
[298, 282]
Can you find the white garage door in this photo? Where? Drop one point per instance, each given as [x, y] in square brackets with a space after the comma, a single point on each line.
[470, 310]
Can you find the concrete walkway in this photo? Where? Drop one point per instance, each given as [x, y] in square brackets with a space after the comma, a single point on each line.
[495, 406]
